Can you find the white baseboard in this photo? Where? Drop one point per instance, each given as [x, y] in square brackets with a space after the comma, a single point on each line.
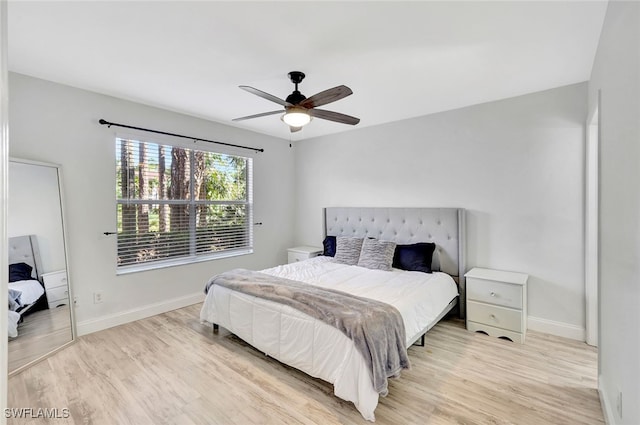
[106, 322]
[607, 410]
[565, 330]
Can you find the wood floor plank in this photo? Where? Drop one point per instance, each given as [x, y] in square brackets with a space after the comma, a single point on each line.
[171, 369]
[40, 333]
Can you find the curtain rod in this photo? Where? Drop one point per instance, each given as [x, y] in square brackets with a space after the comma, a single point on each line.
[109, 124]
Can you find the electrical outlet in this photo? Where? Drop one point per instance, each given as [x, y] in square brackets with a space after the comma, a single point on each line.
[619, 403]
[98, 297]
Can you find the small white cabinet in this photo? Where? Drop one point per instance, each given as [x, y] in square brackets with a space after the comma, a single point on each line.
[497, 303]
[56, 287]
[300, 253]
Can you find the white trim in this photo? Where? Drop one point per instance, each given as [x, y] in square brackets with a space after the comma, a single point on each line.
[153, 265]
[4, 189]
[607, 411]
[591, 226]
[142, 312]
[565, 330]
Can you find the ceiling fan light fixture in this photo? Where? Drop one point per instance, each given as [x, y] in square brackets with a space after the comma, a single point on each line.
[296, 117]
[299, 110]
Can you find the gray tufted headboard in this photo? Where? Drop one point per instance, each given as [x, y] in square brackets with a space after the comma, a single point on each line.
[24, 249]
[444, 226]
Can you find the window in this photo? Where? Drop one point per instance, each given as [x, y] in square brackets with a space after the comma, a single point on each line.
[177, 205]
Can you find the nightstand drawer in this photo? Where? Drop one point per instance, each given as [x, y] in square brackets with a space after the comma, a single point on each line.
[58, 303]
[496, 332]
[499, 317]
[55, 279]
[298, 256]
[492, 292]
[301, 253]
[59, 293]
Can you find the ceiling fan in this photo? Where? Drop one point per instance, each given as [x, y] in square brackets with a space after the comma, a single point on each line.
[298, 109]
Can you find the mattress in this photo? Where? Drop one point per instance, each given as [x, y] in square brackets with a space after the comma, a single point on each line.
[30, 290]
[420, 297]
[320, 350]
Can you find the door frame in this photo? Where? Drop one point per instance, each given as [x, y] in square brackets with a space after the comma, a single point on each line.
[591, 252]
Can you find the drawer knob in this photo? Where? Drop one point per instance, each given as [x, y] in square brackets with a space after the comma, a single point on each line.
[493, 294]
[493, 316]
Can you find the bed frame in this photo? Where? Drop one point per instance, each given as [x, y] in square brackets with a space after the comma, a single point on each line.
[24, 249]
[444, 226]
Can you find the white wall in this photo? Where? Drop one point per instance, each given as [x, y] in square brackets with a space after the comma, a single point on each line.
[34, 209]
[616, 73]
[516, 165]
[55, 123]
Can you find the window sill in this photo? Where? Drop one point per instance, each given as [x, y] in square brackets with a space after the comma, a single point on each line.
[135, 268]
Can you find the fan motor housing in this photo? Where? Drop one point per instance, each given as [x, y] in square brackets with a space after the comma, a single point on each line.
[295, 97]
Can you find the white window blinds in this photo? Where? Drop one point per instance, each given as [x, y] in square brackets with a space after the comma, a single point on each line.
[178, 205]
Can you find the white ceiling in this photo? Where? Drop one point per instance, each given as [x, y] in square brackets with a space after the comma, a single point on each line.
[401, 59]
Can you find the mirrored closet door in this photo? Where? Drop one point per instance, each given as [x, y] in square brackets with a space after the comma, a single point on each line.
[40, 302]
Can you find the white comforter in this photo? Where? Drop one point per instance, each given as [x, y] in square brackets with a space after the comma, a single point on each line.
[321, 350]
[30, 290]
[12, 324]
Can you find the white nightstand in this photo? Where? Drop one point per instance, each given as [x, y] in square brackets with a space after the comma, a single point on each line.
[497, 303]
[300, 253]
[56, 287]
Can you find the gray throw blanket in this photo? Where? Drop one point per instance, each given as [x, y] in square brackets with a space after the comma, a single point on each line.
[376, 328]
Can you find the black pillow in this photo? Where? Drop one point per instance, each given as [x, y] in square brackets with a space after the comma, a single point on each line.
[415, 257]
[19, 271]
[329, 244]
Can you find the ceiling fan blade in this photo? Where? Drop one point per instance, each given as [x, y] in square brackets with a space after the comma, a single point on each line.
[334, 116]
[327, 96]
[265, 95]
[295, 129]
[264, 114]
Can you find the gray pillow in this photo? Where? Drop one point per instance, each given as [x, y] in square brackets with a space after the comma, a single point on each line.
[377, 254]
[348, 250]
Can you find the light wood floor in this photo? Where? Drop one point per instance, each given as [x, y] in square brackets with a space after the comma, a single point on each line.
[38, 334]
[170, 369]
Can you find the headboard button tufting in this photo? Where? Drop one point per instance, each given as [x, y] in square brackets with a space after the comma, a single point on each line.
[403, 226]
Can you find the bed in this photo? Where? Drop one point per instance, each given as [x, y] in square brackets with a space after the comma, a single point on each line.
[321, 350]
[26, 291]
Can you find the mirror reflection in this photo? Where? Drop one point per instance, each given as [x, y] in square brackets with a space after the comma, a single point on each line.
[40, 311]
